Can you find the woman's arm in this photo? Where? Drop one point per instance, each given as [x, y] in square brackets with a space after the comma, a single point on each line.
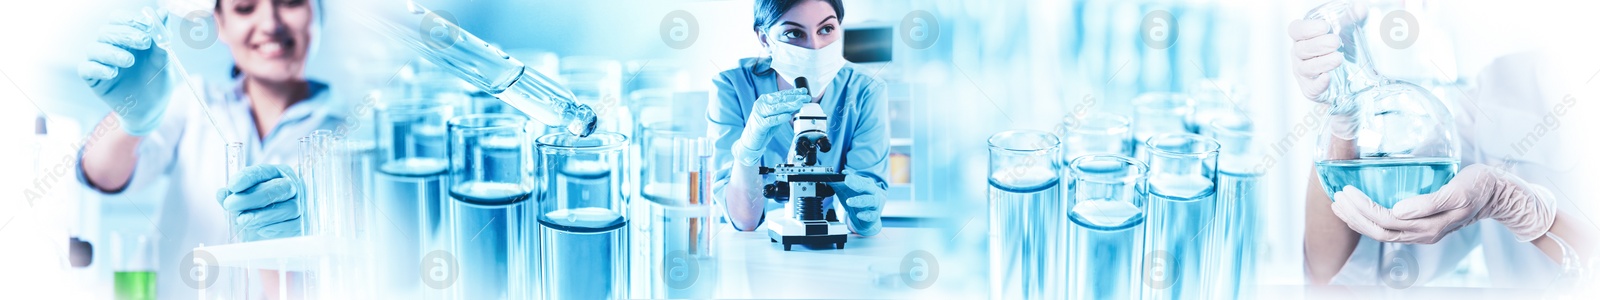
[737, 185]
[109, 155]
[1328, 241]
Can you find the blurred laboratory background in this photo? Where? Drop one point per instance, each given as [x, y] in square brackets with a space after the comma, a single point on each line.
[958, 73]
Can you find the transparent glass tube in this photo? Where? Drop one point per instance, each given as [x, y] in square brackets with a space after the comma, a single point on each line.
[1026, 238]
[583, 225]
[674, 236]
[489, 185]
[483, 65]
[1182, 185]
[1156, 114]
[1235, 232]
[660, 180]
[235, 155]
[1105, 208]
[409, 185]
[1094, 133]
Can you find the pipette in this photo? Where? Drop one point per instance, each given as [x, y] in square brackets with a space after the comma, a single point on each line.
[159, 34]
[483, 65]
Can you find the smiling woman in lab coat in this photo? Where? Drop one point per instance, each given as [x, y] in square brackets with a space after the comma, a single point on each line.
[750, 117]
[167, 144]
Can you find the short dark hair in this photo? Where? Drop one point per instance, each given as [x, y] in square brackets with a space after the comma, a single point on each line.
[768, 11]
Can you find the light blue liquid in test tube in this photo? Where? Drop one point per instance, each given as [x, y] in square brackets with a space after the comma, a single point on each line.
[1182, 185]
[490, 186]
[583, 226]
[1235, 232]
[1106, 208]
[1026, 238]
[409, 188]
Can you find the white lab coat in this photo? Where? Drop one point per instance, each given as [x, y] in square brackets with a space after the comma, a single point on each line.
[182, 163]
[1499, 120]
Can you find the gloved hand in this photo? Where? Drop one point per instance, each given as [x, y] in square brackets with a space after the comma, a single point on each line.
[263, 201]
[1316, 54]
[125, 70]
[863, 201]
[770, 111]
[1477, 192]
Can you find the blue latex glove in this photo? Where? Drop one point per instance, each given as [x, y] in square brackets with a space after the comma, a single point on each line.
[769, 112]
[264, 202]
[862, 199]
[125, 70]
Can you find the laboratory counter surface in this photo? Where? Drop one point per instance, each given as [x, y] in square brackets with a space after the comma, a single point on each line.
[898, 262]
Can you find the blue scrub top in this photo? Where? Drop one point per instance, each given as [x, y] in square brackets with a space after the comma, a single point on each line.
[858, 121]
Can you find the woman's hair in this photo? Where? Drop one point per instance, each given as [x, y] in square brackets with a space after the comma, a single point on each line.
[768, 11]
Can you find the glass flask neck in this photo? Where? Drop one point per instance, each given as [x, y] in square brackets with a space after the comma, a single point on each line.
[1346, 20]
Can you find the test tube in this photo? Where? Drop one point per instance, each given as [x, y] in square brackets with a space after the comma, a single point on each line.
[1106, 206]
[488, 186]
[1182, 185]
[1234, 233]
[483, 65]
[1026, 238]
[676, 246]
[1094, 133]
[1158, 113]
[583, 225]
[234, 154]
[410, 187]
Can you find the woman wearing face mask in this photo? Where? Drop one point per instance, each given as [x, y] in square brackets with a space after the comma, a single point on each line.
[157, 140]
[750, 118]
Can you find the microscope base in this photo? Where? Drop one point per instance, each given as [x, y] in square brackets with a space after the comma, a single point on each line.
[791, 232]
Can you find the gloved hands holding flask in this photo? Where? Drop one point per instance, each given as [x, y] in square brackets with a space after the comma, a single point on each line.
[1477, 192]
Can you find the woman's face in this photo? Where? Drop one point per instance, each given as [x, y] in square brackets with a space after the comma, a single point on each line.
[810, 24]
[268, 38]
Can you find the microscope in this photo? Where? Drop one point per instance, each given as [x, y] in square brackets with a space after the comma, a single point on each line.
[803, 183]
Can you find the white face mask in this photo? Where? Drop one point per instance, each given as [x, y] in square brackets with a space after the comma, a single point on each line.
[818, 66]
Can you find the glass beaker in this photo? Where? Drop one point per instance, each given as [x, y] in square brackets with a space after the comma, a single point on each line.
[1026, 238]
[583, 225]
[489, 186]
[409, 187]
[676, 231]
[1390, 139]
[1235, 234]
[1106, 208]
[133, 267]
[1094, 133]
[659, 178]
[1182, 189]
[1156, 114]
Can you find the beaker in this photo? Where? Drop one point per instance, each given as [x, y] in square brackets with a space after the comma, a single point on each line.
[659, 180]
[1182, 190]
[1235, 233]
[1026, 238]
[583, 225]
[409, 186]
[1094, 133]
[1106, 206]
[133, 267]
[489, 186]
[1156, 114]
[675, 232]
